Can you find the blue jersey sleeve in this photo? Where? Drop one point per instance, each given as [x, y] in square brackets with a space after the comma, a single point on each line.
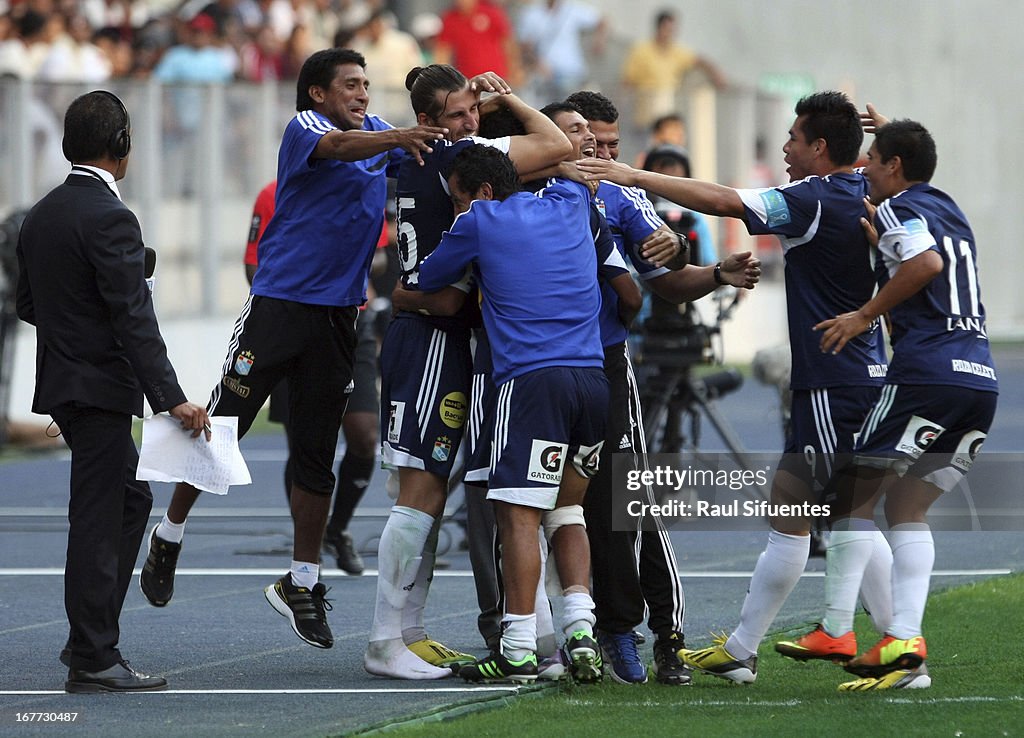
[458, 249]
[610, 263]
[789, 211]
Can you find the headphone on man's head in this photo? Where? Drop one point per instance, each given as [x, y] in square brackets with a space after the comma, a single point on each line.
[120, 141]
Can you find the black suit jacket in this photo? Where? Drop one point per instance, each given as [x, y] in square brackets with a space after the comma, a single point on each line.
[82, 284]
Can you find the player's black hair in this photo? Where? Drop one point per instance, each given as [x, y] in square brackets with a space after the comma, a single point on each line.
[424, 83]
[90, 124]
[500, 122]
[594, 106]
[913, 144]
[319, 70]
[667, 153]
[831, 116]
[477, 164]
[553, 109]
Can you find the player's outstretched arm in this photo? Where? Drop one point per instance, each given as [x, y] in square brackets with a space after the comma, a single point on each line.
[692, 282]
[704, 197]
[353, 145]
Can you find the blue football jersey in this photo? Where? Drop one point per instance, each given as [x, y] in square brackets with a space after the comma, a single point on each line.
[528, 254]
[610, 264]
[828, 272]
[631, 218]
[938, 335]
[329, 213]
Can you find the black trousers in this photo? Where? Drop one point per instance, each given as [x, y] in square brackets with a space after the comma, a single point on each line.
[634, 572]
[107, 512]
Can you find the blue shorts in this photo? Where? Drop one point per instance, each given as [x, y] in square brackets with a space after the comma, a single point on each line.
[824, 425]
[483, 399]
[546, 419]
[932, 432]
[424, 393]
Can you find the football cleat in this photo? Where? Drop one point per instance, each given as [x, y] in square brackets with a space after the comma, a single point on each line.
[497, 668]
[820, 645]
[889, 654]
[438, 654]
[667, 667]
[900, 679]
[716, 661]
[583, 655]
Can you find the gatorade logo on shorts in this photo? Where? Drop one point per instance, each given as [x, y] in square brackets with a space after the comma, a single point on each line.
[919, 434]
[453, 409]
[967, 450]
[546, 461]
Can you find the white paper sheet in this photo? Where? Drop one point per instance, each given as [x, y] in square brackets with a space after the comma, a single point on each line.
[170, 454]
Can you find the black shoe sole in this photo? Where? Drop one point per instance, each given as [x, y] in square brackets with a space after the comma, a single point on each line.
[92, 688]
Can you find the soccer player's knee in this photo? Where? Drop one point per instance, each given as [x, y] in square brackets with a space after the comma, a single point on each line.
[552, 520]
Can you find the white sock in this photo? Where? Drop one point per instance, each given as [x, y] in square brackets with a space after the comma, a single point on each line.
[876, 586]
[913, 556]
[777, 571]
[578, 614]
[547, 644]
[305, 574]
[171, 532]
[412, 614]
[518, 636]
[398, 562]
[849, 549]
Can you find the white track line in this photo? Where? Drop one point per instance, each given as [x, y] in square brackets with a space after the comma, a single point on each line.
[457, 573]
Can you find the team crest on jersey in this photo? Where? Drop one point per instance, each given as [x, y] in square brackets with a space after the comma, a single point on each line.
[547, 459]
[602, 208]
[775, 208]
[919, 434]
[967, 450]
[442, 449]
[395, 421]
[453, 409]
[243, 364]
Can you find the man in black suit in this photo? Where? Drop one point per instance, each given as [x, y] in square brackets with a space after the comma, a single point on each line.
[82, 283]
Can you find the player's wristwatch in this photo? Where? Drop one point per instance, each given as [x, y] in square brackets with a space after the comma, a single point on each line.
[718, 274]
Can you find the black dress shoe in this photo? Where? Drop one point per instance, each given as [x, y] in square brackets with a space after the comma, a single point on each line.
[118, 678]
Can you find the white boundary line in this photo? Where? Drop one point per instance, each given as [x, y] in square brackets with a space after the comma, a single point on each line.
[410, 690]
[458, 573]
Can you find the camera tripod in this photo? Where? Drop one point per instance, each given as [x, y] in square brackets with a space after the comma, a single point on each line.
[674, 400]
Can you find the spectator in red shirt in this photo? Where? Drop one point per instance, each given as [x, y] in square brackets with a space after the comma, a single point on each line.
[477, 37]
